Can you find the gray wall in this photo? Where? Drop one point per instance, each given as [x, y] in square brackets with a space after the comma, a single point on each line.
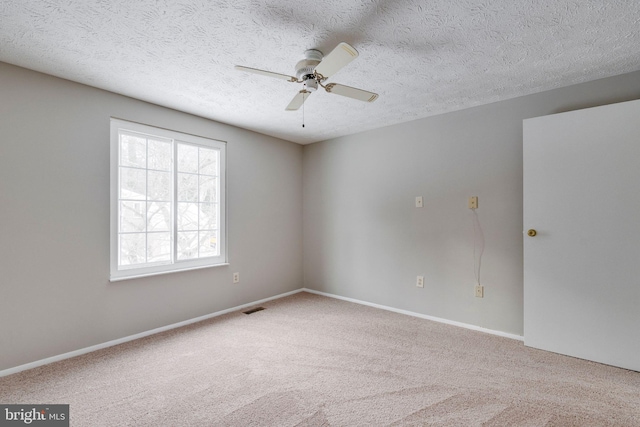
[55, 295]
[364, 239]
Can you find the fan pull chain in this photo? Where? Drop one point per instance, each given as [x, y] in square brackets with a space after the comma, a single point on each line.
[303, 94]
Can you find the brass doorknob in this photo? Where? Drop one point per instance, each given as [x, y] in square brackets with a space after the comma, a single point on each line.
[532, 232]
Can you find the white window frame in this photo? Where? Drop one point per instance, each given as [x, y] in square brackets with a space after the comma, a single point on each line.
[123, 273]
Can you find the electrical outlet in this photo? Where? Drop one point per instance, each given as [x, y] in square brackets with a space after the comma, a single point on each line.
[479, 291]
[420, 282]
[236, 277]
[419, 203]
[473, 202]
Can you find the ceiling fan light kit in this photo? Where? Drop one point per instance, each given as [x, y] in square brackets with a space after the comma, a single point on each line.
[314, 70]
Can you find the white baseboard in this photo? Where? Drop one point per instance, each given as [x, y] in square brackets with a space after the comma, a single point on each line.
[422, 316]
[86, 350]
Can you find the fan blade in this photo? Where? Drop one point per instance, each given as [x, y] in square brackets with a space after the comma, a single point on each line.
[298, 100]
[351, 92]
[340, 56]
[266, 73]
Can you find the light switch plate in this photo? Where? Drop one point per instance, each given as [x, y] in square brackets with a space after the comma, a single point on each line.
[419, 202]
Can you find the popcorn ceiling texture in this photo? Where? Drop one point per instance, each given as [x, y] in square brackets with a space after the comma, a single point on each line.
[422, 57]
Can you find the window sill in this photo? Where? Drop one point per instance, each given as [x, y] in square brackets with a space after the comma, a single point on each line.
[160, 273]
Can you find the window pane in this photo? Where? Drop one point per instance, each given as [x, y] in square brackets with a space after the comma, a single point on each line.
[132, 249]
[208, 243]
[160, 155]
[187, 216]
[167, 198]
[160, 186]
[187, 187]
[132, 216]
[208, 189]
[187, 158]
[159, 216]
[133, 184]
[188, 245]
[208, 161]
[158, 247]
[133, 151]
[208, 216]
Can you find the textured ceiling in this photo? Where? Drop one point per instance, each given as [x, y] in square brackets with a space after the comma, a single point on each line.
[422, 57]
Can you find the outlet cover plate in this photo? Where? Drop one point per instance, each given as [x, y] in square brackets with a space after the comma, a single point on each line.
[473, 202]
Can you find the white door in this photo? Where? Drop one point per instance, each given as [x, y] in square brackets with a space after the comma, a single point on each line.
[582, 269]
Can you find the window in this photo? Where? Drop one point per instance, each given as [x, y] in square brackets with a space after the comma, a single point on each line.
[167, 201]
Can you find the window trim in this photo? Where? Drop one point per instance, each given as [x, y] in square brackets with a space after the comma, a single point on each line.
[177, 265]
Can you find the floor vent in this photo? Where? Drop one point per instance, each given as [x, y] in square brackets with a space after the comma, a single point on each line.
[253, 310]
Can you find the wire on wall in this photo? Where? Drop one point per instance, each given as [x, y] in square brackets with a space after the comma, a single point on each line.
[478, 246]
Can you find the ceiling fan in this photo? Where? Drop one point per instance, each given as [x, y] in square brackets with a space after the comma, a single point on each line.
[314, 70]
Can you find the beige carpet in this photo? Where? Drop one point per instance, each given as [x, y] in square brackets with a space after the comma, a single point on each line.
[308, 360]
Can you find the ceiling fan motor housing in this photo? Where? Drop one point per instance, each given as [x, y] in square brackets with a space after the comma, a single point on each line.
[305, 68]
